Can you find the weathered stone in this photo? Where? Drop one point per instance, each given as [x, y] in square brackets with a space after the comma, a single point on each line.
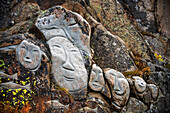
[134, 106]
[96, 104]
[113, 17]
[16, 14]
[154, 90]
[162, 16]
[29, 55]
[22, 27]
[119, 87]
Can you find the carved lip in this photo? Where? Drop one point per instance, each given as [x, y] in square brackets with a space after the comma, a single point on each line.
[96, 84]
[28, 61]
[69, 78]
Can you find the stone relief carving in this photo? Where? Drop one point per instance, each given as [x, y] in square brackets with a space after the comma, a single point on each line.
[26, 67]
[119, 87]
[29, 55]
[143, 91]
[96, 82]
[68, 67]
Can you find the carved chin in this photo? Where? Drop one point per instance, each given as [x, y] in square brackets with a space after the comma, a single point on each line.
[95, 86]
[72, 84]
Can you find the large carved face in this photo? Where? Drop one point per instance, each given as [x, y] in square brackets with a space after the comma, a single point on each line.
[68, 66]
[96, 82]
[29, 55]
[119, 86]
[139, 83]
[58, 21]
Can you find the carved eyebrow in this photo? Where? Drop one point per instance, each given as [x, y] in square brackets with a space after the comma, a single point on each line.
[74, 50]
[34, 49]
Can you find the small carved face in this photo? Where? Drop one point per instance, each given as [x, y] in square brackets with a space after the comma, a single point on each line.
[119, 85]
[139, 83]
[96, 82]
[29, 55]
[68, 66]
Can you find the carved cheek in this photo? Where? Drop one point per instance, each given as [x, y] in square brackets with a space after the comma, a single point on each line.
[101, 79]
[35, 57]
[124, 85]
[58, 53]
[92, 76]
[22, 52]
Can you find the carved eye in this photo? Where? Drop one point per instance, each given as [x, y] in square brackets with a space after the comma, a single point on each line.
[35, 50]
[23, 47]
[57, 46]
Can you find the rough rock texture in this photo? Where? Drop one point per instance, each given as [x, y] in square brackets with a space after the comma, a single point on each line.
[114, 18]
[150, 18]
[135, 106]
[130, 36]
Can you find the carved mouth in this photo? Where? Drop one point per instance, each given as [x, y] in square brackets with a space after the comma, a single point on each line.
[27, 61]
[96, 84]
[68, 78]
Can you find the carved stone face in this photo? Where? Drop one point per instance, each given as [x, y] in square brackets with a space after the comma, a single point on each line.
[139, 83]
[119, 86]
[96, 82]
[68, 66]
[29, 55]
[58, 21]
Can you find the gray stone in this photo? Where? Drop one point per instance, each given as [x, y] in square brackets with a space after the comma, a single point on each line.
[134, 106]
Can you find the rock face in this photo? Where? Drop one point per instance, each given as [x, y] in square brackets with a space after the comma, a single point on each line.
[70, 58]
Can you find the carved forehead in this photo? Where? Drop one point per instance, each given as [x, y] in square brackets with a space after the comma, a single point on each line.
[114, 73]
[61, 14]
[96, 67]
[61, 41]
[26, 43]
[136, 78]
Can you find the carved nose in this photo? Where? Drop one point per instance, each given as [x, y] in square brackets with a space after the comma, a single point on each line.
[27, 55]
[116, 87]
[67, 65]
[96, 78]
